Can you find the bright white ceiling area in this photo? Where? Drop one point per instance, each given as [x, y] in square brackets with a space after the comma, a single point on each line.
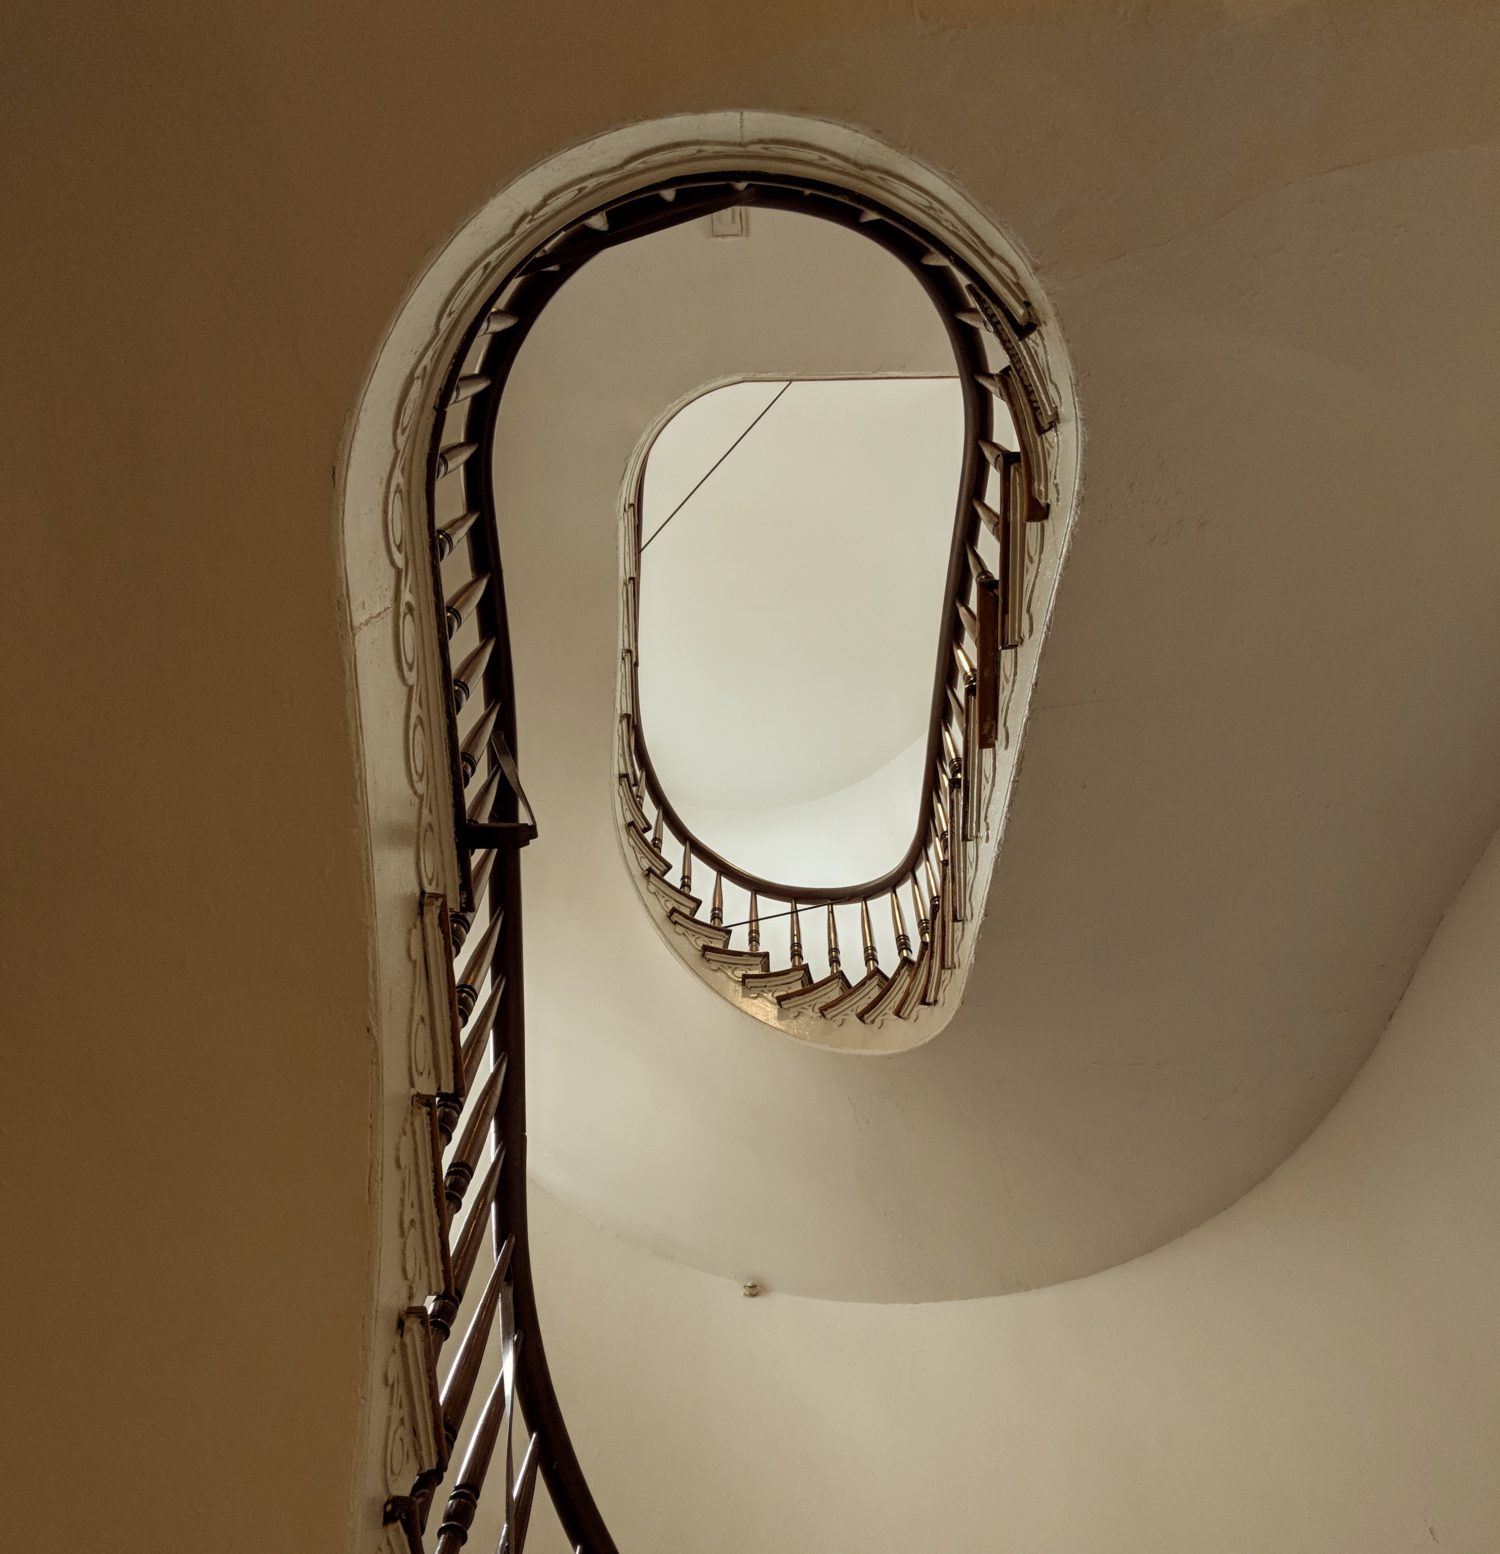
[795, 544]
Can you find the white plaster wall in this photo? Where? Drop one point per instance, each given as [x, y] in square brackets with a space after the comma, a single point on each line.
[1316, 1371]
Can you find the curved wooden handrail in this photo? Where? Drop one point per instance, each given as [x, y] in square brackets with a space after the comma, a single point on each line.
[484, 936]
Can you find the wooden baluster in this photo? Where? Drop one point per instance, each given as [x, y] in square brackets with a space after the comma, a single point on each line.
[898, 926]
[475, 1042]
[466, 1252]
[478, 740]
[1013, 559]
[716, 907]
[867, 937]
[467, 676]
[993, 521]
[834, 963]
[686, 882]
[970, 771]
[458, 1515]
[454, 457]
[632, 617]
[656, 830]
[480, 960]
[996, 456]
[456, 610]
[963, 664]
[466, 388]
[459, 923]
[522, 1496]
[955, 854]
[480, 1030]
[481, 1116]
[458, 1389]
[796, 937]
[484, 796]
[937, 947]
[451, 533]
[987, 649]
[754, 926]
[919, 911]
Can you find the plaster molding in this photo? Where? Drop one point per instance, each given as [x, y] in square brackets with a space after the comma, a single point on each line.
[398, 685]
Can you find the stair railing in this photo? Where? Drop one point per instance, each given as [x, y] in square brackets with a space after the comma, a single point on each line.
[477, 1338]
[883, 948]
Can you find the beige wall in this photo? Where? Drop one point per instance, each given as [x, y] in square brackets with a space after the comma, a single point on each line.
[210, 213]
[1316, 1371]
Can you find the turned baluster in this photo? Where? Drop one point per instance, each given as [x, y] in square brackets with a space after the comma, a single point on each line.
[522, 1496]
[466, 388]
[451, 533]
[456, 610]
[480, 960]
[867, 937]
[454, 457]
[458, 1389]
[459, 923]
[484, 795]
[686, 882]
[466, 1252]
[996, 456]
[754, 925]
[898, 926]
[1013, 557]
[479, 1032]
[470, 670]
[919, 911]
[796, 937]
[479, 738]
[834, 963]
[656, 830]
[940, 814]
[481, 1117]
[458, 1514]
[475, 1041]
[716, 907]
[963, 664]
[993, 521]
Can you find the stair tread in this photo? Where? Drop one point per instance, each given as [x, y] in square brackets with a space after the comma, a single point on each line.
[672, 896]
[749, 961]
[891, 995]
[818, 995]
[865, 991]
[706, 935]
[774, 981]
[651, 862]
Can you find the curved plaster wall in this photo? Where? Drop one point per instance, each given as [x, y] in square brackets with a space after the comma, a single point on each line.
[213, 214]
[1219, 863]
[1316, 1371]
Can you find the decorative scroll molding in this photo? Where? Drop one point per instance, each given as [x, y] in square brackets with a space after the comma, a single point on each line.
[397, 655]
[434, 1067]
[419, 1171]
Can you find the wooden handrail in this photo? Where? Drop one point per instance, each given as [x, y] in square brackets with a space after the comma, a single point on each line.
[485, 971]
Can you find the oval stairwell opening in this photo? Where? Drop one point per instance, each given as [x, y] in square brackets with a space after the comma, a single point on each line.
[795, 551]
